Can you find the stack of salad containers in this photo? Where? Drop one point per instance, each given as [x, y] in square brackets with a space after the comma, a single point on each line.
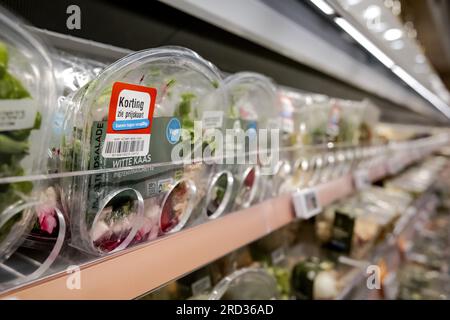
[137, 118]
[325, 132]
[252, 107]
[27, 98]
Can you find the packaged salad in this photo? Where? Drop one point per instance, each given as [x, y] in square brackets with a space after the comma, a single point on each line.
[369, 119]
[217, 200]
[72, 73]
[324, 121]
[315, 279]
[246, 284]
[353, 227]
[348, 115]
[137, 117]
[288, 151]
[313, 116]
[252, 107]
[27, 96]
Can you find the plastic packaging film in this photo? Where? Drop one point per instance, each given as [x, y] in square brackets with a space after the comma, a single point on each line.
[27, 99]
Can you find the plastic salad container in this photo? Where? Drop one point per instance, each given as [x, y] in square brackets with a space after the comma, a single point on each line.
[370, 117]
[27, 95]
[300, 161]
[73, 73]
[313, 119]
[135, 117]
[252, 106]
[217, 199]
[323, 120]
[349, 115]
[289, 148]
[354, 226]
[246, 284]
[314, 279]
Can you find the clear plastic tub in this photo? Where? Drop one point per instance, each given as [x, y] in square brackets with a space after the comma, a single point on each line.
[354, 226]
[161, 192]
[313, 278]
[370, 117]
[349, 123]
[27, 97]
[246, 284]
[72, 73]
[254, 102]
[217, 199]
[312, 117]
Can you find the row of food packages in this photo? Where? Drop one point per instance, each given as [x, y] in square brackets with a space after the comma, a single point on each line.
[95, 143]
[425, 276]
[287, 264]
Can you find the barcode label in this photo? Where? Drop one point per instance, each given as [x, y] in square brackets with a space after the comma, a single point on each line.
[124, 146]
[117, 146]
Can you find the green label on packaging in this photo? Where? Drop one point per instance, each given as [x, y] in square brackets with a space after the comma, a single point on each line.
[342, 233]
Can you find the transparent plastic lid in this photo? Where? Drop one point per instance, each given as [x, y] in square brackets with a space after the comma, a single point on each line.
[133, 114]
[27, 98]
[246, 284]
[253, 97]
[186, 87]
[72, 74]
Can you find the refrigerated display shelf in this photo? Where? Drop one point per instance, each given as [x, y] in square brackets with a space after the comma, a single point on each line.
[135, 271]
[131, 273]
[423, 206]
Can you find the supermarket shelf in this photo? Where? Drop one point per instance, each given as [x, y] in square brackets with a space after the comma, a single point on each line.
[131, 273]
[141, 269]
[423, 206]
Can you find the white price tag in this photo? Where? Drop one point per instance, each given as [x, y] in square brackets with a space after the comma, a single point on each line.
[306, 203]
[17, 114]
[361, 179]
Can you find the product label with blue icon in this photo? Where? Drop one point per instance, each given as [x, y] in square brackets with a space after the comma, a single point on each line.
[173, 131]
